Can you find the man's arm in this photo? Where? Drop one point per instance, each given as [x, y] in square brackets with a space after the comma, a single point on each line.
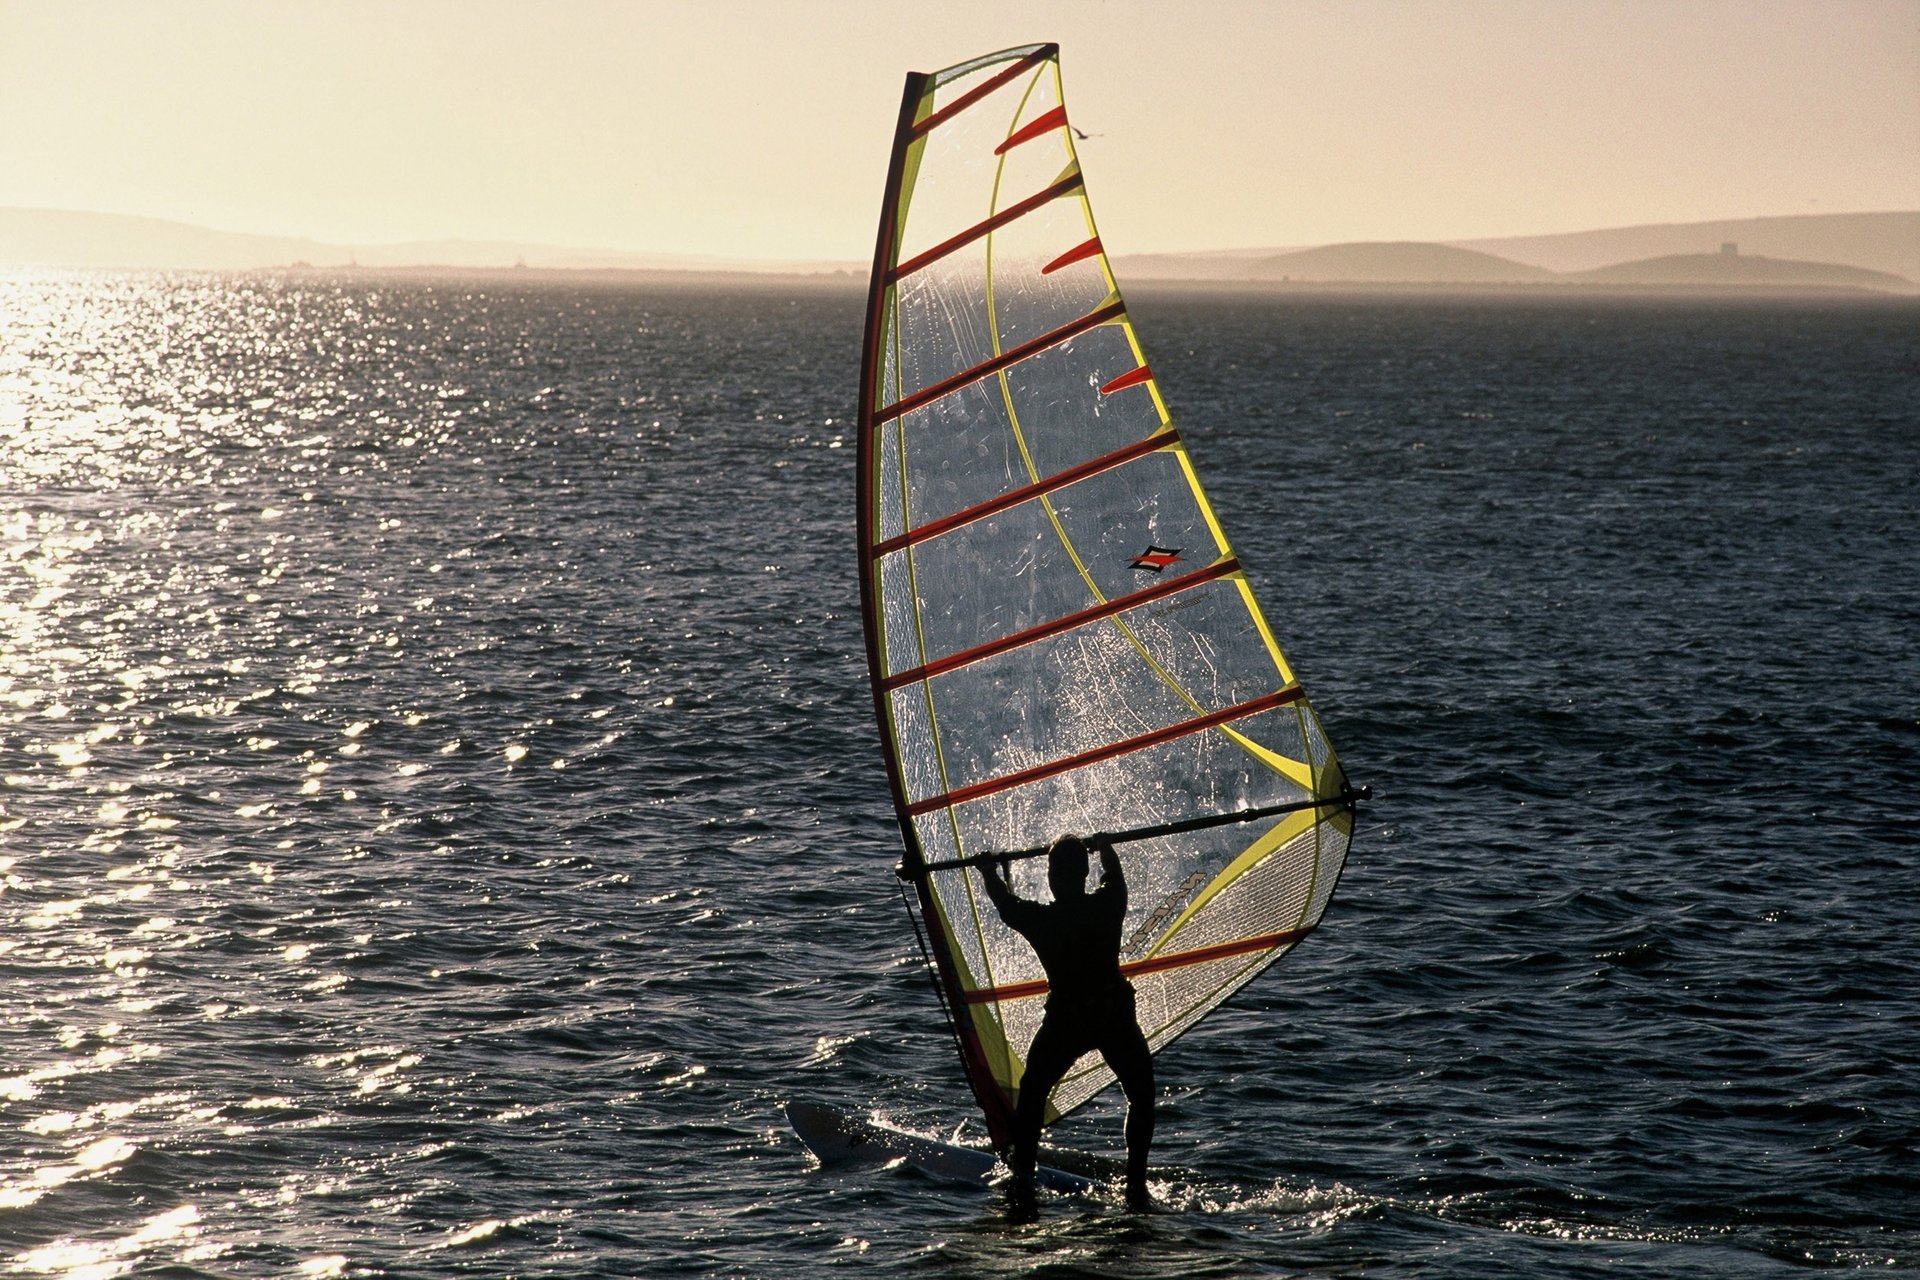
[997, 888]
[1013, 908]
[1112, 879]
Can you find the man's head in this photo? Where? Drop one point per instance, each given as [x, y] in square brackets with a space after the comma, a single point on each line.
[1067, 867]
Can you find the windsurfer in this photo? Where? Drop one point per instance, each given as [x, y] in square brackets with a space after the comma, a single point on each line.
[1089, 1003]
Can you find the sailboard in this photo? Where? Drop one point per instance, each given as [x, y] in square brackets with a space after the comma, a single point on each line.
[1059, 635]
[838, 1140]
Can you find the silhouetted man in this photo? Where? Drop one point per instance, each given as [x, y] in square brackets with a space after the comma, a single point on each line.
[1089, 1004]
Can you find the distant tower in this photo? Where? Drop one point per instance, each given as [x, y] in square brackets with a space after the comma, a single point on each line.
[1729, 249]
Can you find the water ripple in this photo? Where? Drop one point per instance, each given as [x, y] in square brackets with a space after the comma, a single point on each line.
[440, 822]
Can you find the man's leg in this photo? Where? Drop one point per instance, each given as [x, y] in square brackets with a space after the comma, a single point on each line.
[1126, 1052]
[1047, 1060]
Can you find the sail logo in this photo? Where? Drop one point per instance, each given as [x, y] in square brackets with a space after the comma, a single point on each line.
[1156, 559]
[1175, 900]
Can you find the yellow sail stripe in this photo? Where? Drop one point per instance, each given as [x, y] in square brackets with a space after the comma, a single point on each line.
[1288, 828]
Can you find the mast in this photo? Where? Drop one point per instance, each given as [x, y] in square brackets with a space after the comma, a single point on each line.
[993, 1103]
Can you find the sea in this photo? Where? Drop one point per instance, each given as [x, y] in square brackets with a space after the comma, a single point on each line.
[442, 821]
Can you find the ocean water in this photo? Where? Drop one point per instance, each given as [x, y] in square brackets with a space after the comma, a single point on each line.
[441, 819]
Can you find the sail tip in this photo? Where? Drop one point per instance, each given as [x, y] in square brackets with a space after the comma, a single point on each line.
[1027, 54]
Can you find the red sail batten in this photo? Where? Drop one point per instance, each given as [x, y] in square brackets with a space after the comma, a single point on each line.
[1130, 379]
[1079, 253]
[1054, 119]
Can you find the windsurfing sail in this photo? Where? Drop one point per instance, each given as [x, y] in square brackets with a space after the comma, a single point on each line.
[1060, 637]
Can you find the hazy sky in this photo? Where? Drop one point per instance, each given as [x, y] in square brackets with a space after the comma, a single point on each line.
[760, 129]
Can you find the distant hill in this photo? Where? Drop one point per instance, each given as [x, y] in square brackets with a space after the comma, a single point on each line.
[66, 238]
[1740, 269]
[1393, 262]
[1887, 242]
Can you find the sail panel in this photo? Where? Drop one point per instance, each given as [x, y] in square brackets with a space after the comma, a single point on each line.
[1027, 300]
[1088, 689]
[967, 451]
[1194, 775]
[961, 177]
[1058, 555]
[1112, 661]
[1060, 636]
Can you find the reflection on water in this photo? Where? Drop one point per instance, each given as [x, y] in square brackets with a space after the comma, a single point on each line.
[97, 1260]
[313, 677]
